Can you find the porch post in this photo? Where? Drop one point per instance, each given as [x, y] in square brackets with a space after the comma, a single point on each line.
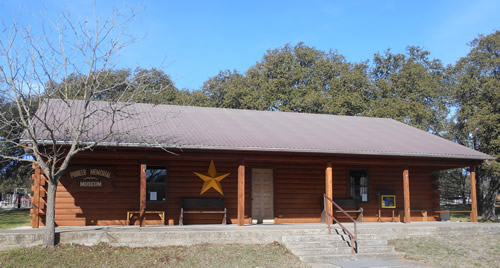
[142, 196]
[241, 193]
[329, 187]
[35, 200]
[406, 191]
[473, 196]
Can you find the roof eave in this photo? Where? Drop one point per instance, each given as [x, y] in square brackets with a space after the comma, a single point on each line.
[283, 150]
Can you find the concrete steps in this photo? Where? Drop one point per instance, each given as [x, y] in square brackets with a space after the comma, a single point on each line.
[325, 248]
[328, 244]
[342, 250]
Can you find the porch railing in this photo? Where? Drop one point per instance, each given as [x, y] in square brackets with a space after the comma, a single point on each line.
[329, 217]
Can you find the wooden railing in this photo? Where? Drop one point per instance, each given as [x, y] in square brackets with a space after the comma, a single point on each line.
[329, 217]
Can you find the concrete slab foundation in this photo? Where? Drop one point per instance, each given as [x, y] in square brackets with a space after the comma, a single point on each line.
[372, 238]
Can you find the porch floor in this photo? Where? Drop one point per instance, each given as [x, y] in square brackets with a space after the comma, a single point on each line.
[247, 227]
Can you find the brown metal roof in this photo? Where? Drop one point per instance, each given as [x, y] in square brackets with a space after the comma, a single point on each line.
[149, 125]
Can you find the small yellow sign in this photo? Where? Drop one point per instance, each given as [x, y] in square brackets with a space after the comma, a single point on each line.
[211, 179]
[388, 201]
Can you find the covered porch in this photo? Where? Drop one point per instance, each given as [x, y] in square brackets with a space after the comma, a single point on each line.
[297, 183]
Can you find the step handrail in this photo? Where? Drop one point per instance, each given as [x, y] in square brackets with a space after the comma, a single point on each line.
[329, 217]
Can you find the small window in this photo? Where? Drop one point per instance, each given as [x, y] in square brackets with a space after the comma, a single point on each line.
[358, 180]
[156, 184]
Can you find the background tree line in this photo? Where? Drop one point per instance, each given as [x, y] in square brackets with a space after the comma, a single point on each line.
[460, 102]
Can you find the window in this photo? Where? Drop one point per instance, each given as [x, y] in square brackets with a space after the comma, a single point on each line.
[358, 180]
[156, 183]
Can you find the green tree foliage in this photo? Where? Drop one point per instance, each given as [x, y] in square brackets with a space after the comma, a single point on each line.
[13, 174]
[476, 87]
[304, 79]
[296, 79]
[229, 90]
[159, 87]
[454, 184]
[410, 88]
[140, 85]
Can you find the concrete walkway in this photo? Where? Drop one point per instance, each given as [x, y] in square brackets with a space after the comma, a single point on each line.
[135, 236]
[254, 227]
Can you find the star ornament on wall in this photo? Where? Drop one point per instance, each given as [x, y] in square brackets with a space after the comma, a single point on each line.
[211, 179]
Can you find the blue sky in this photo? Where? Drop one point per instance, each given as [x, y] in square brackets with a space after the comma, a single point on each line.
[193, 40]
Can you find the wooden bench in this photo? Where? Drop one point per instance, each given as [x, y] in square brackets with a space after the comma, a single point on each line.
[380, 215]
[422, 212]
[196, 205]
[161, 214]
[452, 211]
[350, 203]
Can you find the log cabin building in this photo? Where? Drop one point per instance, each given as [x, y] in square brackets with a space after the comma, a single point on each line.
[251, 166]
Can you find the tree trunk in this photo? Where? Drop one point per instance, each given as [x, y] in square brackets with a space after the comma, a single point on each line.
[50, 227]
[479, 192]
[489, 208]
[489, 201]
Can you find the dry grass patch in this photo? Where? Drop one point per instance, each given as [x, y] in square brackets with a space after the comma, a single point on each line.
[103, 255]
[455, 250]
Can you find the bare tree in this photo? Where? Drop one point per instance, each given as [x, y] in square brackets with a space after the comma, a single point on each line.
[62, 61]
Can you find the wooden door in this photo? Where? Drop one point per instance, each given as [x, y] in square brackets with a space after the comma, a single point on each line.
[262, 195]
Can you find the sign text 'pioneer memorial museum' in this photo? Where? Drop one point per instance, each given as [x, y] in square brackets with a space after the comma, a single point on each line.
[192, 165]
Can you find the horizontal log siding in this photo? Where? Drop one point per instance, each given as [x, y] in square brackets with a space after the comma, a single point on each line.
[391, 178]
[87, 208]
[298, 191]
[182, 183]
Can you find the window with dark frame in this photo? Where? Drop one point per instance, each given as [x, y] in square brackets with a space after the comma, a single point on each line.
[358, 181]
[156, 183]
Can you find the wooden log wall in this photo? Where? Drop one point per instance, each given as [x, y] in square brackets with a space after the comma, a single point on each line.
[100, 208]
[298, 191]
[182, 183]
[87, 208]
[391, 178]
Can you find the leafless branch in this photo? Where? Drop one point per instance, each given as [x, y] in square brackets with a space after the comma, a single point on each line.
[69, 60]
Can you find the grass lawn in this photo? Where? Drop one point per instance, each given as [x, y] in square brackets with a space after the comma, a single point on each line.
[457, 250]
[103, 255]
[14, 218]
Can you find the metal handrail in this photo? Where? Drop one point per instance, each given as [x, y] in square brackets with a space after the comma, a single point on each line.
[353, 237]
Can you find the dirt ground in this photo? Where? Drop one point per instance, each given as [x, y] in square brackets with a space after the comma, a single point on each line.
[454, 250]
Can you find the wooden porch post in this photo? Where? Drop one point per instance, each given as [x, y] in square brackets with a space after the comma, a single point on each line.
[241, 193]
[142, 196]
[473, 196]
[406, 190]
[35, 199]
[329, 187]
